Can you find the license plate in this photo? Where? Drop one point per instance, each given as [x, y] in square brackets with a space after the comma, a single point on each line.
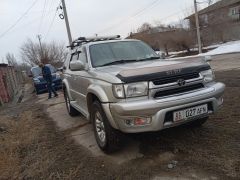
[190, 113]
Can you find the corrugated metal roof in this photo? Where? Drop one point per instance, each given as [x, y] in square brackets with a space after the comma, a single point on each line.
[217, 5]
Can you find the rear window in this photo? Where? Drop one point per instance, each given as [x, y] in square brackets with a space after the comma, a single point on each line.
[37, 71]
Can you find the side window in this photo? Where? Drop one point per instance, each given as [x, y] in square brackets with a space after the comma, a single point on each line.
[82, 56]
[67, 60]
[79, 55]
[74, 57]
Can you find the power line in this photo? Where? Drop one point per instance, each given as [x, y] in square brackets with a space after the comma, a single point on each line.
[33, 21]
[18, 20]
[51, 4]
[51, 24]
[139, 13]
[52, 21]
[43, 13]
[130, 17]
[113, 26]
[148, 6]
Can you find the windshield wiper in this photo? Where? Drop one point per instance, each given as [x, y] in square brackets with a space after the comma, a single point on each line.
[122, 61]
[149, 58]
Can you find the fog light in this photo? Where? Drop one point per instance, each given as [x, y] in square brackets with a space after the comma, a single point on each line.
[139, 121]
[129, 122]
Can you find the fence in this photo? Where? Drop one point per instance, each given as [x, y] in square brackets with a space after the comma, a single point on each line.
[10, 82]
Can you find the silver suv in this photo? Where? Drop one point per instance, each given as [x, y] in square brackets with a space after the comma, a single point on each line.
[124, 86]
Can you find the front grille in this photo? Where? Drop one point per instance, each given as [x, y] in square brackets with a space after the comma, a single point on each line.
[178, 90]
[175, 78]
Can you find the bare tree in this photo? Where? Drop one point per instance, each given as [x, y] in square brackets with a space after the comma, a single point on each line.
[11, 59]
[174, 37]
[210, 2]
[145, 27]
[50, 53]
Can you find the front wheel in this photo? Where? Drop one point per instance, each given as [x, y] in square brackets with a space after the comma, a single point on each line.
[108, 138]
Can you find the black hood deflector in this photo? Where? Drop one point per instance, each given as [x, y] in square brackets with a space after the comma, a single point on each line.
[164, 74]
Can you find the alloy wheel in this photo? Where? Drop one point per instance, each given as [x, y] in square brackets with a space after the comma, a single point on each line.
[100, 129]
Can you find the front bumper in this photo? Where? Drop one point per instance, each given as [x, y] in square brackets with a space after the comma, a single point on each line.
[157, 109]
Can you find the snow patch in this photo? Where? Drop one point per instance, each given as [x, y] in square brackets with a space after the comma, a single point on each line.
[230, 47]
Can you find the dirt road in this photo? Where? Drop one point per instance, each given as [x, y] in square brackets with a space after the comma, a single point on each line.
[47, 143]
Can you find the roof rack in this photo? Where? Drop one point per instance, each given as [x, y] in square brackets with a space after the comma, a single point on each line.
[83, 40]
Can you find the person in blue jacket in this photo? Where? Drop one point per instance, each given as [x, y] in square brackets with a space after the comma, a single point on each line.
[47, 75]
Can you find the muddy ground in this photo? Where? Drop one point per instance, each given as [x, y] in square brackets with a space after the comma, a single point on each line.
[33, 147]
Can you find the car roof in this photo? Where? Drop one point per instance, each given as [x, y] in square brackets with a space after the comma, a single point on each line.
[110, 41]
[102, 42]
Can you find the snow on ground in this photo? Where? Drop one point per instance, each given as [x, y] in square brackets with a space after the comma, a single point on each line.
[226, 48]
[223, 48]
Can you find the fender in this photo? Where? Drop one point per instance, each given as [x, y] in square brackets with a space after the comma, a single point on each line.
[99, 92]
[65, 83]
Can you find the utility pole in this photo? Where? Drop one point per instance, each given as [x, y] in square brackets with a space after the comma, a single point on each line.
[40, 43]
[67, 22]
[198, 28]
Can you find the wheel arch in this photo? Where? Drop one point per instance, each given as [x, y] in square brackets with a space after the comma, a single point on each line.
[65, 87]
[97, 93]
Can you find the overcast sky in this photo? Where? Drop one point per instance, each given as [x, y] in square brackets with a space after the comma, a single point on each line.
[86, 17]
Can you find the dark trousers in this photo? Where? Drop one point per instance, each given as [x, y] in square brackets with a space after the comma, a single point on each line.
[50, 89]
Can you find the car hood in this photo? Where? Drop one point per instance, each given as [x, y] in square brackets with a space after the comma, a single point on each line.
[147, 70]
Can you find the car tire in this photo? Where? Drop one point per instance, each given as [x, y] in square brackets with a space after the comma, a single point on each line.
[198, 123]
[71, 110]
[108, 138]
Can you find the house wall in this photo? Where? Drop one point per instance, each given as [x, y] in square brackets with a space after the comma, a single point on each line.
[218, 25]
[217, 16]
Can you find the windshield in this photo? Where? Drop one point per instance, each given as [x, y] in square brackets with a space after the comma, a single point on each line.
[37, 71]
[121, 51]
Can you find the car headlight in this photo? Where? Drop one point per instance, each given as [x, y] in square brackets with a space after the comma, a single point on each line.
[136, 89]
[131, 90]
[208, 75]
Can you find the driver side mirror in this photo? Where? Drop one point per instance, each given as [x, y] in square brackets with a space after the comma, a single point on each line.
[161, 55]
[77, 66]
[207, 58]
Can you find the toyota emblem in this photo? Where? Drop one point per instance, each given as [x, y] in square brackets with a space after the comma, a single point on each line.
[181, 82]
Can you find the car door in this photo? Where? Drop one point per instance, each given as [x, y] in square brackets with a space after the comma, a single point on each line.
[81, 81]
[71, 76]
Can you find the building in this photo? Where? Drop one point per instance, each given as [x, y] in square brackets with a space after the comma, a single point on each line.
[219, 22]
